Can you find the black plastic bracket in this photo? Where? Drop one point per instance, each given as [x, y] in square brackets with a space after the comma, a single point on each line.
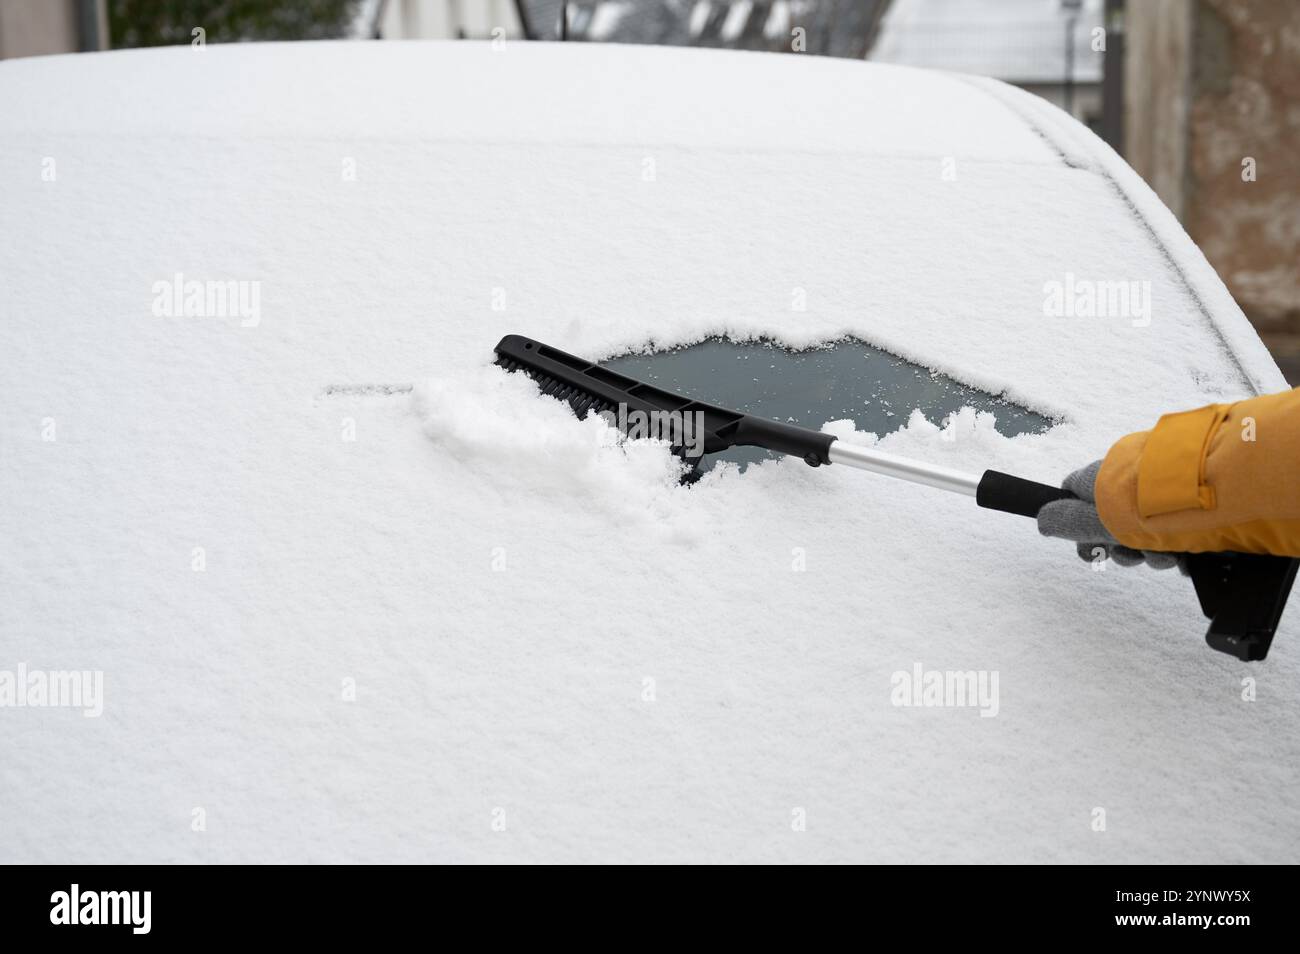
[1243, 594]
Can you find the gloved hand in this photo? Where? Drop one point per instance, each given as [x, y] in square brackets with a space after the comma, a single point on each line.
[1078, 520]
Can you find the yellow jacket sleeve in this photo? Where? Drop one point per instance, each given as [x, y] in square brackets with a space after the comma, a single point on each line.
[1222, 477]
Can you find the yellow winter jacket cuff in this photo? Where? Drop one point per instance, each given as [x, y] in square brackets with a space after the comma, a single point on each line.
[1222, 477]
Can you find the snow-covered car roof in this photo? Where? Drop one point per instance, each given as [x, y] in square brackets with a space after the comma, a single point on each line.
[355, 593]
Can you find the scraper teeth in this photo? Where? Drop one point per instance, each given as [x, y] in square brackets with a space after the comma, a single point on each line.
[579, 400]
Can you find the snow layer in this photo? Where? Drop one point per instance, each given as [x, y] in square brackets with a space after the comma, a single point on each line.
[557, 652]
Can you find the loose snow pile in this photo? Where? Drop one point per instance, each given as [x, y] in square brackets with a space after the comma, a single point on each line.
[340, 619]
[490, 421]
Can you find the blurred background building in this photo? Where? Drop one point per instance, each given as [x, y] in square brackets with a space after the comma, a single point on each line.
[1202, 97]
[1048, 48]
[441, 19]
[1212, 122]
[31, 28]
[829, 27]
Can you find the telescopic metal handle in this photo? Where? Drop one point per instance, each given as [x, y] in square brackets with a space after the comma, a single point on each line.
[914, 471]
[993, 490]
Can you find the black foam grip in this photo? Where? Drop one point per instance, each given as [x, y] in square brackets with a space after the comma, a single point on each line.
[999, 491]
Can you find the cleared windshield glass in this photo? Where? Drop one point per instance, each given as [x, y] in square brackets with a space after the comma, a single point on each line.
[850, 379]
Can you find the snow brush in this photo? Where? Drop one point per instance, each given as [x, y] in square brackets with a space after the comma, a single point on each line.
[1242, 594]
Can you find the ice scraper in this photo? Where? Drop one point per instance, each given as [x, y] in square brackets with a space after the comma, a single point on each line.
[1242, 594]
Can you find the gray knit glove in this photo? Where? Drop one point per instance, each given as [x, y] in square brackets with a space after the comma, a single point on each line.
[1078, 520]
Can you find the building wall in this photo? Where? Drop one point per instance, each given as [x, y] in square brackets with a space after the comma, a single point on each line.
[1212, 85]
[1157, 60]
[449, 19]
[1033, 44]
[36, 27]
[40, 27]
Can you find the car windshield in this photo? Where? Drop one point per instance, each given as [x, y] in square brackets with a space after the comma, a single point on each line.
[849, 379]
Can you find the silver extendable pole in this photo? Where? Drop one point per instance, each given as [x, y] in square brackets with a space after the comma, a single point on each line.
[918, 472]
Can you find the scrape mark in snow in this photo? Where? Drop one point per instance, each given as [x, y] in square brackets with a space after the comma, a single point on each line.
[330, 390]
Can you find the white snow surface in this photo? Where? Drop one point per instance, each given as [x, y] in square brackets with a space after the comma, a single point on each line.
[611, 197]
